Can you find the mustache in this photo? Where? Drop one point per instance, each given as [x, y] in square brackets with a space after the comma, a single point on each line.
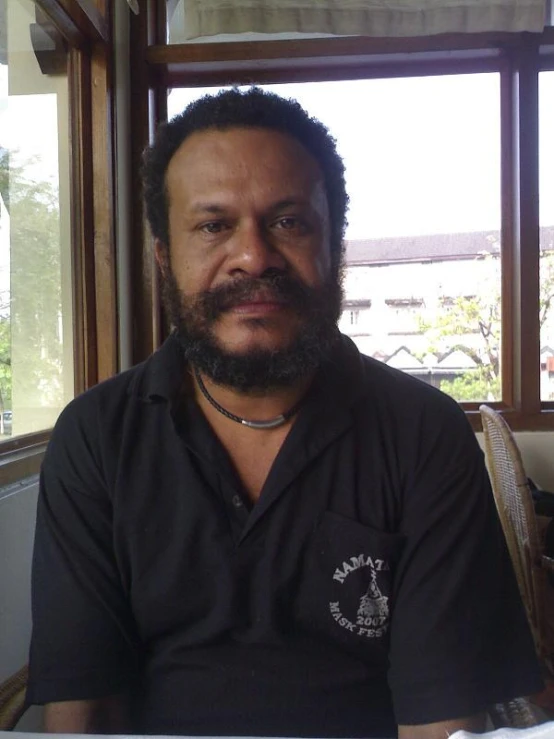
[274, 285]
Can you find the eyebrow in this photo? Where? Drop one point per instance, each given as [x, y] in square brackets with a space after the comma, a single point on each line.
[216, 209]
[208, 208]
[289, 202]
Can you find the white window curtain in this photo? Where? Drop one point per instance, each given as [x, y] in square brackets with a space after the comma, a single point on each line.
[385, 18]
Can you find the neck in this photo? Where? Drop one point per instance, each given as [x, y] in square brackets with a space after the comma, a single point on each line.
[261, 406]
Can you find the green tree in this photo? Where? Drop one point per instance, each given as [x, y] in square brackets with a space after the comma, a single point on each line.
[5, 322]
[473, 385]
[5, 369]
[31, 319]
[472, 324]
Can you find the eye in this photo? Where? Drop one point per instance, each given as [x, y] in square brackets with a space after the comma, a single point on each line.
[289, 223]
[213, 227]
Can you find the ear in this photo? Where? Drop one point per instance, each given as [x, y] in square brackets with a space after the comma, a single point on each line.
[161, 254]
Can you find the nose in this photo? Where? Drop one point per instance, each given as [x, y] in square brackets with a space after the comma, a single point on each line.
[252, 252]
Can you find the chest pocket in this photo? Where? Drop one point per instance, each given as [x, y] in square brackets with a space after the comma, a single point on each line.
[347, 584]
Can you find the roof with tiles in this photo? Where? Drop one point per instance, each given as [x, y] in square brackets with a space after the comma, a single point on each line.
[433, 247]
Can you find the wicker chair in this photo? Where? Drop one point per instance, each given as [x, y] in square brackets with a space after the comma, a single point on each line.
[12, 699]
[515, 714]
[515, 508]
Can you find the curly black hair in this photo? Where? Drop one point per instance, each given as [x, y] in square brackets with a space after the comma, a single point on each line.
[253, 108]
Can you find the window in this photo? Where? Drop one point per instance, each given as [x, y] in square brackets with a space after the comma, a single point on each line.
[455, 213]
[56, 218]
[546, 165]
[36, 301]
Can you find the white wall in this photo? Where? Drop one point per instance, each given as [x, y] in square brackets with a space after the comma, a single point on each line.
[537, 451]
[17, 523]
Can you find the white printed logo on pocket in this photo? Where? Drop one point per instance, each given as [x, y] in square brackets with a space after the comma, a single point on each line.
[372, 617]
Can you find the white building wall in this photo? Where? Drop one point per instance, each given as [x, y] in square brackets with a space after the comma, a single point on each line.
[403, 295]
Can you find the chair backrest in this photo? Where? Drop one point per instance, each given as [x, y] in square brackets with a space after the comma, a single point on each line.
[12, 699]
[515, 508]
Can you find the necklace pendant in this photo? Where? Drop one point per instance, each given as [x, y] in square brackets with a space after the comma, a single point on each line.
[271, 424]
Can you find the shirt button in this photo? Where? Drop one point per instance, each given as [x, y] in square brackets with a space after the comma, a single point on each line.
[237, 502]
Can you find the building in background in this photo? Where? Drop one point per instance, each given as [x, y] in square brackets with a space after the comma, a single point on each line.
[430, 305]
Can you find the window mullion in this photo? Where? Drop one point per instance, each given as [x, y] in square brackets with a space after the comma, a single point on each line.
[146, 89]
[86, 369]
[508, 131]
[525, 294]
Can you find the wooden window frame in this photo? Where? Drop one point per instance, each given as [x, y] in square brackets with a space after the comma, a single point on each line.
[86, 26]
[518, 58]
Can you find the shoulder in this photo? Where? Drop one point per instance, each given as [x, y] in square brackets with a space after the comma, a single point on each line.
[405, 412]
[103, 401]
[396, 392]
[85, 435]
[110, 401]
[92, 425]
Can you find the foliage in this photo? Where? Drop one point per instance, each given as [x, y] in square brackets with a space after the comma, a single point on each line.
[472, 385]
[472, 324]
[31, 319]
[547, 287]
[5, 367]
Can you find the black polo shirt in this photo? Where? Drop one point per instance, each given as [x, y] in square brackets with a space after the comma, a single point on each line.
[369, 585]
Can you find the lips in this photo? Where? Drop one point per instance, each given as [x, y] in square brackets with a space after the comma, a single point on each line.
[261, 299]
[257, 306]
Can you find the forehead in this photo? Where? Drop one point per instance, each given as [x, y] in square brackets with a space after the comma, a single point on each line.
[243, 158]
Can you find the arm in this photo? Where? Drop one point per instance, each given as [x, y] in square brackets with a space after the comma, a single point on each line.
[458, 625]
[102, 716]
[84, 641]
[442, 729]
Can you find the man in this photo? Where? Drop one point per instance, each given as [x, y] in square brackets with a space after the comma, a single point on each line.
[259, 531]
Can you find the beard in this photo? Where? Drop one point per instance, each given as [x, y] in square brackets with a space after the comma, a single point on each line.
[193, 318]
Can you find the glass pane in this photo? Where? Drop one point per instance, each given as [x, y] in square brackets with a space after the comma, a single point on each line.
[175, 14]
[422, 283]
[176, 29]
[36, 345]
[546, 190]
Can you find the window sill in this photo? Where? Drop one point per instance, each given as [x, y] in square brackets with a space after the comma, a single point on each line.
[22, 457]
[516, 420]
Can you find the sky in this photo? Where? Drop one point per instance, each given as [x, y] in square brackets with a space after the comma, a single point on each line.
[422, 154]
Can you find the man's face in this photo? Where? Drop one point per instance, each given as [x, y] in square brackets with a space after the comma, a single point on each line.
[248, 281]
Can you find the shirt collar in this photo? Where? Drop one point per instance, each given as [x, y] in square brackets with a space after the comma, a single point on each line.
[340, 380]
[162, 375]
